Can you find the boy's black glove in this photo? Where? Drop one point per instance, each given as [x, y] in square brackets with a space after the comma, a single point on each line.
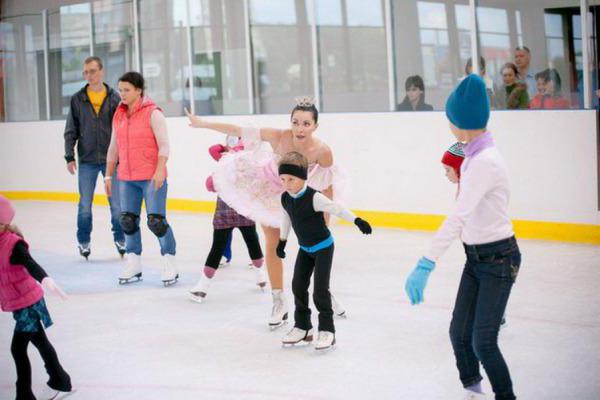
[363, 226]
[281, 248]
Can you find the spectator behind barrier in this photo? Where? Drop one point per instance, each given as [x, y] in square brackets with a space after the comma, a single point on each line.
[552, 97]
[512, 95]
[525, 74]
[415, 96]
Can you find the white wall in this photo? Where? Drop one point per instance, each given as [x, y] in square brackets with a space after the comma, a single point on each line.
[392, 160]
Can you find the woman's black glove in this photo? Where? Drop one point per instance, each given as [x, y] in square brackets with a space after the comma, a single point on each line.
[281, 248]
[363, 226]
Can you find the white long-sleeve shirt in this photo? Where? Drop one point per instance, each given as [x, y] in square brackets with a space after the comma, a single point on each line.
[480, 215]
[320, 203]
[158, 122]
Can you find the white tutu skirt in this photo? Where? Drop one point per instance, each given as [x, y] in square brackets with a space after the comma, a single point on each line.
[249, 183]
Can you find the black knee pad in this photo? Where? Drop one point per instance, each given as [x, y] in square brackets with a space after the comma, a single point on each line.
[158, 224]
[130, 222]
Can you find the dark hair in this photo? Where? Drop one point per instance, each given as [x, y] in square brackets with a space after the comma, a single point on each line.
[510, 66]
[415, 81]
[542, 75]
[306, 107]
[523, 48]
[553, 75]
[470, 64]
[92, 59]
[135, 78]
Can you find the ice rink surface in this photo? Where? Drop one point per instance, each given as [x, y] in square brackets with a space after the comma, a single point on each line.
[144, 341]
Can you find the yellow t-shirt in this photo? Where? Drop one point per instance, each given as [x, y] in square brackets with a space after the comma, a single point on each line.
[96, 98]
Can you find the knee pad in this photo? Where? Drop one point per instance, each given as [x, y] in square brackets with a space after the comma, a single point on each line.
[158, 224]
[130, 222]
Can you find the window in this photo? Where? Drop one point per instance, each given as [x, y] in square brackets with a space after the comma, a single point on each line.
[282, 54]
[219, 59]
[22, 56]
[164, 40]
[432, 46]
[352, 55]
[69, 45]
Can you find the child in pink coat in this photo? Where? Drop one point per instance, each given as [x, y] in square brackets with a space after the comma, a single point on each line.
[22, 294]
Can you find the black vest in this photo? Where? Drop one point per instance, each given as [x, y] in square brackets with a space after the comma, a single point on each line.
[308, 224]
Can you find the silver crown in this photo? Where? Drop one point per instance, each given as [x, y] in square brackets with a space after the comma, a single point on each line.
[305, 101]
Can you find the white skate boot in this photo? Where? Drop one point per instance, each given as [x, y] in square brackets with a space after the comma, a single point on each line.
[297, 335]
[325, 341]
[279, 313]
[338, 308]
[224, 262]
[469, 395]
[133, 269]
[169, 274]
[199, 292]
[261, 277]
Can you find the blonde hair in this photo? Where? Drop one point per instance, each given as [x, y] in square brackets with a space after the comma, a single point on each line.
[294, 158]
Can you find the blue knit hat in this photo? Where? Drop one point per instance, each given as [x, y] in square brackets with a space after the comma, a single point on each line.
[468, 106]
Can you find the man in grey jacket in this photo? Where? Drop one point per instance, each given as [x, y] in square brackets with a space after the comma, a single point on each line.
[89, 126]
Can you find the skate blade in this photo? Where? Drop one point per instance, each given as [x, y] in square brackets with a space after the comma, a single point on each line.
[302, 343]
[276, 326]
[133, 279]
[62, 395]
[198, 298]
[325, 349]
[342, 315]
[305, 341]
[171, 282]
[262, 286]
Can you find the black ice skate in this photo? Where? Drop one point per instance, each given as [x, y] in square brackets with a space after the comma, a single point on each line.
[84, 250]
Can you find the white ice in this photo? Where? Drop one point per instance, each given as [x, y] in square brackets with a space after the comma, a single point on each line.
[144, 341]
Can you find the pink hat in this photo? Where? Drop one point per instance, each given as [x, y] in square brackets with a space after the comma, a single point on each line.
[7, 212]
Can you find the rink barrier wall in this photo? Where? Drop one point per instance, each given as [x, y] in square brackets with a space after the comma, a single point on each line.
[540, 230]
[391, 162]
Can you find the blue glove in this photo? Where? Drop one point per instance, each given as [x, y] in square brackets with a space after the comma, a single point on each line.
[417, 280]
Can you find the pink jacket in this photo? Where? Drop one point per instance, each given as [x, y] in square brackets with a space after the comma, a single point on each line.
[18, 289]
[138, 150]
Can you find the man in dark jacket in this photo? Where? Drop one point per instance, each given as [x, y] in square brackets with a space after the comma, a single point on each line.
[89, 125]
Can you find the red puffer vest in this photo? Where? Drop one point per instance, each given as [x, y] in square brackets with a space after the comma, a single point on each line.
[17, 288]
[138, 150]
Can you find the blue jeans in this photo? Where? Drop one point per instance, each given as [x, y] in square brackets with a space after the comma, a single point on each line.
[487, 279]
[132, 194]
[87, 177]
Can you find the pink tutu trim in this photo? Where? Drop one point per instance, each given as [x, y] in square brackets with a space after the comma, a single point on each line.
[248, 181]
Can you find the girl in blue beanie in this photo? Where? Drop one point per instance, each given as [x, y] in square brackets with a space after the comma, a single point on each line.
[481, 220]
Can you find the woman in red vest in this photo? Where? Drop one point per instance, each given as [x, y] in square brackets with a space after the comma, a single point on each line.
[140, 144]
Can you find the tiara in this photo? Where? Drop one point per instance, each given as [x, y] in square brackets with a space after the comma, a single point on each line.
[305, 101]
